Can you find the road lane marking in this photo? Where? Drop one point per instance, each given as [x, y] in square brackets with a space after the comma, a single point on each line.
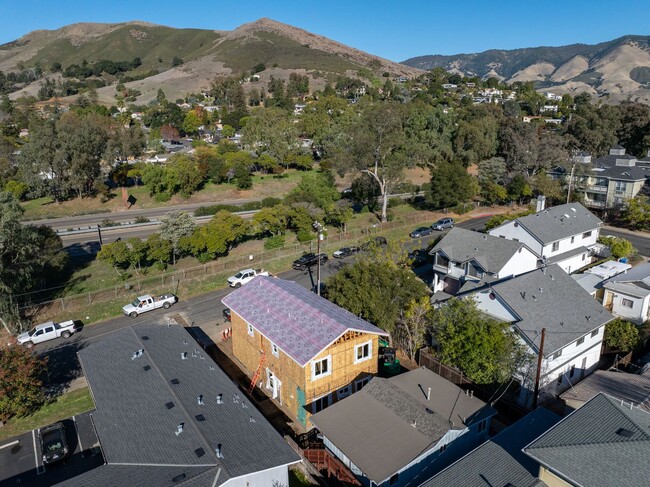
[9, 444]
[40, 469]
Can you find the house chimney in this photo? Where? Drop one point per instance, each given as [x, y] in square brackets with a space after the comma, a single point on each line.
[541, 203]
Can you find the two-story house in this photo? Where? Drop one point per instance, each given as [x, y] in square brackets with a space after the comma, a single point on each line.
[604, 443]
[627, 295]
[559, 235]
[608, 181]
[465, 259]
[301, 349]
[574, 323]
[400, 431]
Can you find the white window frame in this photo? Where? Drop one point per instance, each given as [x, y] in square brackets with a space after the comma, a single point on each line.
[251, 331]
[555, 246]
[358, 360]
[586, 234]
[275, 350]
[315, 376]
[594, 333]
[580, 341]
[557, 354]
[623, 300]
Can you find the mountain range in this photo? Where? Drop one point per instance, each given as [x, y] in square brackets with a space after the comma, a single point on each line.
[618, 69]
[206, 54]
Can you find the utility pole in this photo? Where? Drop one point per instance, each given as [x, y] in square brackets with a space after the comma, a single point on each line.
[539, 367]
[319, 228]
[568, 194]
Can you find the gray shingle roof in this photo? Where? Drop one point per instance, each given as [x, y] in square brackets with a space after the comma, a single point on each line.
[634, 388]
[499, 462]
[141, 475]
[139, 407]
[298, 321]
[374, 427]
[550, 298]
[623, 173]
[558, 222]
[492, 253]
[601, 444]
[556, 259]
[589, 282]
[635, 282]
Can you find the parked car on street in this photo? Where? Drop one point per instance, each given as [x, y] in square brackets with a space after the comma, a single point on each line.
[48, 331]
[421, 232]
[245, 276]
[145, 303]
[345, 252]
[308, 260]
[54, 445]
[443, 223]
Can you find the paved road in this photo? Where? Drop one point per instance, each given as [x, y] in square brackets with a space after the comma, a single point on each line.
[125, 215]
[204, 311]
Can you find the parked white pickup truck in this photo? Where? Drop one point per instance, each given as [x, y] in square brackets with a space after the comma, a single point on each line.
[47, 331]
[145, 303]
[243, 277]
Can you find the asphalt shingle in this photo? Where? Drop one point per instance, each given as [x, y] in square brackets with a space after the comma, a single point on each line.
[558, 222]
[603, 443]
[390, 422]
[142, 398]
[550, 298]
[500, 462]
[492, 253]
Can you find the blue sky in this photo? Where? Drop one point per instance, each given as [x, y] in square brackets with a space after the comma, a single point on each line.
[392, 29]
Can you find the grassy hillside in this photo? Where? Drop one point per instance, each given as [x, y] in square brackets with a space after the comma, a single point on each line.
[154, 45]
[270, 48]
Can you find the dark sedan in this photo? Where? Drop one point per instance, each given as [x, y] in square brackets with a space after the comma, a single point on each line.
[53, 443]
[308, 260]
[421, 232]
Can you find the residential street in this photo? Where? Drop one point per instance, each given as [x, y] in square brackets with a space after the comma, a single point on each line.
[205, 310]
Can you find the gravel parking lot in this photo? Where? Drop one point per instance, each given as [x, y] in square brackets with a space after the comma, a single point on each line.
[21, 458]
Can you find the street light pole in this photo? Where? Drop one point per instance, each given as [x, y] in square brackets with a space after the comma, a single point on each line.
[319, 229]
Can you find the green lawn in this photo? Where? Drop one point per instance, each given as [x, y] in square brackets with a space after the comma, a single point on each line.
[298, 479]
[62, 407]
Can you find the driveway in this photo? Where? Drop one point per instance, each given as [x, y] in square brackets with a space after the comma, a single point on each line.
[21, 458]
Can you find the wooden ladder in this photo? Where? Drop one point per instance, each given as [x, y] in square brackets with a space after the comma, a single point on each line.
[257, 373]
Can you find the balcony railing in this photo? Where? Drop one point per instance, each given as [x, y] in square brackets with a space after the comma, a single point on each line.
[595, 204]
